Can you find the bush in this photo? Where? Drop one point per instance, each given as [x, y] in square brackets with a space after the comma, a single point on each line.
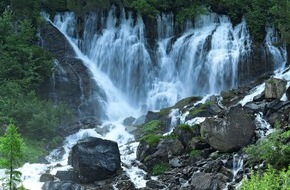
[271, 179]
[273, 149]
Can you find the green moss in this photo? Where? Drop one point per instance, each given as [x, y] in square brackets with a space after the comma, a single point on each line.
[160, 168]
[152, 127]
[165, 111]
[171, 136]
[195, 153]
[184, 127]
[186, 101]
[152, 139]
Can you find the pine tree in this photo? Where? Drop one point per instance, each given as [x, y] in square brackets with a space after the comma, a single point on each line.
[11, 154]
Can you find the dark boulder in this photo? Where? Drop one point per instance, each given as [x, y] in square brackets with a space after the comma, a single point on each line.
[67, 176]
[46, 177]
[233, 131]
[95, 159]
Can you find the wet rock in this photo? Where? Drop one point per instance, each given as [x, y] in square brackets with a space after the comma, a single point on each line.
[230, 133]
[129, 121]
[259, 97]
[213, 166]
[57, 185]
[95, 159]
[155, 184]
[67, 176]
[288, 93]
[46, 177]
[275, 88]
[125, 185]
[71, 83]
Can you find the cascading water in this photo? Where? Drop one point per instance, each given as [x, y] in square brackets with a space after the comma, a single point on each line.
[204, 60]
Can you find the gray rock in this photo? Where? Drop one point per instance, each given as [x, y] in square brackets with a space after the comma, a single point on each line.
[46, 177]
[59, 185]
[275, 88]
[230, 133]
[67, 176]
[129, 121]
[207, 181]
[95, 159]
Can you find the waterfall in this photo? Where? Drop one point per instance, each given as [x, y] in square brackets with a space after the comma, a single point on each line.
[203, 60]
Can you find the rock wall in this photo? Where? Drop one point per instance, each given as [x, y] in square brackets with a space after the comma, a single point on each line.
[70, 83]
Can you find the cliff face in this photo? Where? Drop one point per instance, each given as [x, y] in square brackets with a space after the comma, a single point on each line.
[71, 82]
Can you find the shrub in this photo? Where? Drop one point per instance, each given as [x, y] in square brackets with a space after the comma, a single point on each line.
[273, 149]
[271, 179]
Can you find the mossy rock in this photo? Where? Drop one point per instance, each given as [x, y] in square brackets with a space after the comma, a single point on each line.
[152, 127]
[152, 140]
[184, 127]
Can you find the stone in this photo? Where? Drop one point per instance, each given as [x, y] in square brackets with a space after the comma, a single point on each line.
[207, 181]
[129, 121]
[275, 88]
[67, 176]
[46, 177]
[57, 185]
[288, 93]
[71, 82]
[235, 130]
[95, 159]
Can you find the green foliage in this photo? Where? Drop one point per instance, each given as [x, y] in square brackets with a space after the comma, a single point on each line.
[184, 127]
[189, 13]
[152, 139]
[194, 153]
[11, 151]
[152, 127]
[274, 150]
[277, 124]
[146, 7]
[22, 61]
[160, 168]
[271, 179]
[32, 150]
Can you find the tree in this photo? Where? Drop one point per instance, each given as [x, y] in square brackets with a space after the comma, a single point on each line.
[11, 152]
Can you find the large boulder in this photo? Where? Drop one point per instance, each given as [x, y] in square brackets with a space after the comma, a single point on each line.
[95, 159]
[233, 131]
[275, 88]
